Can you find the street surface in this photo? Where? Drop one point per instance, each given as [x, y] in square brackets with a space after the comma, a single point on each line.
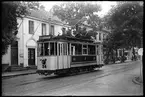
[115, 79]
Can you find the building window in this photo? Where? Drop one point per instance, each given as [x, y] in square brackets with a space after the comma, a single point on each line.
[96, 36]
[52, 30]
[63, 31]
[99, 36]
[31, 27]
[43, 29]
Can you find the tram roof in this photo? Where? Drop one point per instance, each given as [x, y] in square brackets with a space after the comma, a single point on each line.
[63, 38]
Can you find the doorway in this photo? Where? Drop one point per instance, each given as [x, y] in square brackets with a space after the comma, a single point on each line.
[31, 56]
[14, 53]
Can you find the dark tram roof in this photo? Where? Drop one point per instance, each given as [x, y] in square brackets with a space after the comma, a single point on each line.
[63, 38]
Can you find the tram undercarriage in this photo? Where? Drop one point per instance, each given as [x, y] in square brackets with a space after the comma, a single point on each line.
[68, 71]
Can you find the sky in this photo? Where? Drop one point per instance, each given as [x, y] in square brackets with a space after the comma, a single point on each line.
[106, 5]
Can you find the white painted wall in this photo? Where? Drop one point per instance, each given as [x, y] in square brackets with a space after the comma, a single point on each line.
[6, 57]
[57, 30]
[20, 41]
[28, 41]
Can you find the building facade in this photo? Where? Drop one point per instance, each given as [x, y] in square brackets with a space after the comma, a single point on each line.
[23, 52]
[100, 36]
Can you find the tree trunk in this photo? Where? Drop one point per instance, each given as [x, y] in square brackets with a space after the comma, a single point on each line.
[116, 55]
[107, 56]
[122, 57]
[134, 56]
[113, 56]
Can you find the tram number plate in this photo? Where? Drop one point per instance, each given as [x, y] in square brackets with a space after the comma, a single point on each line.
[43, 65]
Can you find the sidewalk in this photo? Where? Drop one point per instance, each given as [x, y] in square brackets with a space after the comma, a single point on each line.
[25, 72]
[18, 73]
[139, 78]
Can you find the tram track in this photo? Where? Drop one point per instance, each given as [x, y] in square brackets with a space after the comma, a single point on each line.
[39, 83]
[75, 74]
[123, 69]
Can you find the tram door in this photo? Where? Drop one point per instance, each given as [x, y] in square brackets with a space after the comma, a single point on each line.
[62, 55]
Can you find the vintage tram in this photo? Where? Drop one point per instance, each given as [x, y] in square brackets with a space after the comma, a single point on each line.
[65, 55]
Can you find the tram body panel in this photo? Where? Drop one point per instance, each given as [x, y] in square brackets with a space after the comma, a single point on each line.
[83, 64]
[50, 63]
[63, 58]
[102, 61]
[97, 57]
[63, 62]
[60, 56]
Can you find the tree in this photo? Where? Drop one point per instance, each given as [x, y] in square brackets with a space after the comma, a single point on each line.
[74, 13]
[10, 12]
[32, 5]
[126, 20]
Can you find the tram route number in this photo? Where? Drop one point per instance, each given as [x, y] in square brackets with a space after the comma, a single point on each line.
[43, 63]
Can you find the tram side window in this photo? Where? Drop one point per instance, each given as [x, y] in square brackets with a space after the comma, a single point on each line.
[59, 49]
[72, 49]
[97, 50]
[64, 49]
[55, 48]
[79, 49]
[91, 49]
[84, 49]
[68, 48]
[46, 49]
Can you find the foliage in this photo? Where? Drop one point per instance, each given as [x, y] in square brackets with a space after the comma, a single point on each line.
[33, 5]
[72, 12]
[126, 22]
[75, 13]
[10, 12]
[127, 18]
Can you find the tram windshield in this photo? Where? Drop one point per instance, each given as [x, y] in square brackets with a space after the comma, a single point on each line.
[47, 49]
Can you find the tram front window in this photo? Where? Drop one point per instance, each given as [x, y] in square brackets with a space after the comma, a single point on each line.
[46, 49]
[51, 48]
[40, 49]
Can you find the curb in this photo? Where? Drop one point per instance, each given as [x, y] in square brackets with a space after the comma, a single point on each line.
[9, 76]
[119, 62]
[136, 82]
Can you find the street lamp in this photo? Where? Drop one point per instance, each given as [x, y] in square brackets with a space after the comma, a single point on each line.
[140, 52]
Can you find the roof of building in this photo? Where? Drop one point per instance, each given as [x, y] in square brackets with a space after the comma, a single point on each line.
[63, 38]
[44, 15]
